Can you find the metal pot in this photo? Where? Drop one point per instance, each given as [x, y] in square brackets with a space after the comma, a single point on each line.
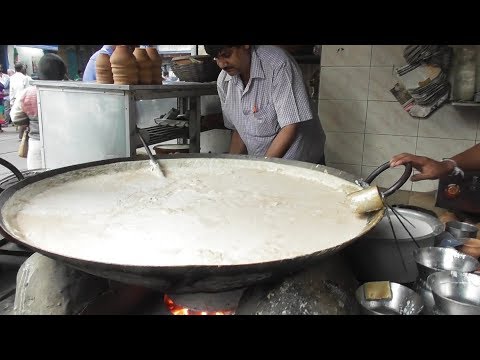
[376, 256]
[455, 293]
[189, 278]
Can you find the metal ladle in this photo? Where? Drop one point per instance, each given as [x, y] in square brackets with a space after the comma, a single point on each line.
[154, 162]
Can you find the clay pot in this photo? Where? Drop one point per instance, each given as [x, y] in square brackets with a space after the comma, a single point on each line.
[144, 66]
[156, 65]
[124, 66]
[103, 69]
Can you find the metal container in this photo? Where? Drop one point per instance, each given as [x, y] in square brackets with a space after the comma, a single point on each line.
[404, 301]
[461, 229]
[456, 293]
[375, 256]
[432, 259]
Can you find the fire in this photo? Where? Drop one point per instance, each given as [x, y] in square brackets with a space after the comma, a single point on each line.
[179, 310]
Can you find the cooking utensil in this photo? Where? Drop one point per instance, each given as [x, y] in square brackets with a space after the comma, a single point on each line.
[403, 301]
[456, 293]
[461, 229]
[432, 259]
[371, 198]
[188, 278]
[375, 256]
[154, 162]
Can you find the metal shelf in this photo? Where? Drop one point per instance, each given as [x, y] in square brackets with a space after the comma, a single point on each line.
[159, 134]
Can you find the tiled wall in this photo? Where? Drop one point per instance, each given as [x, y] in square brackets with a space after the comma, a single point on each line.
[364, 124]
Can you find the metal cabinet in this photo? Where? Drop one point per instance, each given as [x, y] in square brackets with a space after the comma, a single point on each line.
[83, 122]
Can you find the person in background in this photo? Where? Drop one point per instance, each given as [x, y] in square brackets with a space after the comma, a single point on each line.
[265, 103]
[25, 111]
[430, 169]
[18, 81]
[3, 81]
[90, 72]
[6, 96]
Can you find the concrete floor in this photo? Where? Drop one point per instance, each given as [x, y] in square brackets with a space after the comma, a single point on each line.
[9, 143]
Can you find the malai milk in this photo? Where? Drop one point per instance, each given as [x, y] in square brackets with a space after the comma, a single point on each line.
[206, 212]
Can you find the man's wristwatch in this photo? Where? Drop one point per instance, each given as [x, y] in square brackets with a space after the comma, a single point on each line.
[456, 170]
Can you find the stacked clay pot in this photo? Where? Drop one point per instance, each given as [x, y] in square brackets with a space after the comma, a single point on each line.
[103, 69]
[156, 65]
[124, 66]
[144, 66]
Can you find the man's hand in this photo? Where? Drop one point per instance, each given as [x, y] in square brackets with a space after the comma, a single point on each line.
[283, 141]
[428, 168]
[237, 146]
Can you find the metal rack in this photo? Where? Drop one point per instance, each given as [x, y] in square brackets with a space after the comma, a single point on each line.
[82, 122]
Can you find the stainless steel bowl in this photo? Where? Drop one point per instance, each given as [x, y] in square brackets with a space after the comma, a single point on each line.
[456, 293]
[404, 301]
[461, 229]
[433, 259]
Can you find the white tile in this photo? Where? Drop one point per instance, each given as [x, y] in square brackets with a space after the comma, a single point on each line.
[387, 178]
[343, 115]
[379, 149]
[425, 185]
[344, 83]
[384, 117]
[346, 55]
[439, 148]
[355, 170]
[386, 55]
[382, 79]
[450, 123]
[345, 148]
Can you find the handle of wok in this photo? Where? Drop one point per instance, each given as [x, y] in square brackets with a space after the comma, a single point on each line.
[403, 179]
[12, 168]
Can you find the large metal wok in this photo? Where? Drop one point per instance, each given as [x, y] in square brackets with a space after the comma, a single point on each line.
[194, 278]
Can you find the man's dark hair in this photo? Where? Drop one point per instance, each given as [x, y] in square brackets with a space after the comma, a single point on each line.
[51, 67]
[19, 66]
[213, 50]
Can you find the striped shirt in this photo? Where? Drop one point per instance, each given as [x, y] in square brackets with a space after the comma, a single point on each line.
[274, 97]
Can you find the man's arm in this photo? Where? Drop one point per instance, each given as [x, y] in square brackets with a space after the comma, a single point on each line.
[282, 141]
[469, 160]
[237, 146]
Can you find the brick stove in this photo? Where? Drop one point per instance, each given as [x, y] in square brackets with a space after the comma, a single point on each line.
[323, 289]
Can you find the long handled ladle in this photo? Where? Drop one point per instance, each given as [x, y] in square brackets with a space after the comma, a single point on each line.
[154, 162]
[370, 199]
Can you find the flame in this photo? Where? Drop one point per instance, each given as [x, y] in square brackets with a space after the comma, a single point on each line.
[179, 310]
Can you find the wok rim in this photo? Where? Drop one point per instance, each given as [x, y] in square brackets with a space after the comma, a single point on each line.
[218, 270]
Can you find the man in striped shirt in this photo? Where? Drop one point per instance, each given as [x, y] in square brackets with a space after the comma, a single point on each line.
[265, 103]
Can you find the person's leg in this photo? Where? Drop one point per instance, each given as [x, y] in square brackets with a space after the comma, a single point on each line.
[34, 156]
[8, 119]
